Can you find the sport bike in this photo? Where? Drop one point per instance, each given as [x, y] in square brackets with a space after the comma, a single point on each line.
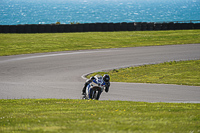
[94, 89]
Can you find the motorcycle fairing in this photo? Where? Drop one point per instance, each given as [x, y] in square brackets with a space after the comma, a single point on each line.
[99, 82]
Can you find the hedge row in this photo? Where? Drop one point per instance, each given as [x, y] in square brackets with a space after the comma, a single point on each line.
[90, 27]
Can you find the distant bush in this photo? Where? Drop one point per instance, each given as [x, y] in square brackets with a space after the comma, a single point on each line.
[74, 23]
[57, 22]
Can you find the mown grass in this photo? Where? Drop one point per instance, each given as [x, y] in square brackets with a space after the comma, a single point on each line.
[60, 115]
[175, 72]
[12, 44]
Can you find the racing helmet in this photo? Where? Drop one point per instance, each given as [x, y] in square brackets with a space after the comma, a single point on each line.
[106, 78]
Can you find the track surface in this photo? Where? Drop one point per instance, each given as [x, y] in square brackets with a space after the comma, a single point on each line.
[58, 74]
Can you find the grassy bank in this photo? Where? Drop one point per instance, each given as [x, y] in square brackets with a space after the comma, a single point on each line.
[181, 73]
[51, 115]
[12, 44]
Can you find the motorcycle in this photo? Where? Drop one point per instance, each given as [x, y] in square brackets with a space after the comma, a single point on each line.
[94, 89]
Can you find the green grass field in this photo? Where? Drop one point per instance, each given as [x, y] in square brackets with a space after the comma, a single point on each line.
[59, 115]
[64, 115]
[12, 44]
[180, 73]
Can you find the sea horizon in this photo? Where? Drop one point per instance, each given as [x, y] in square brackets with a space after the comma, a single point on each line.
[15, 12]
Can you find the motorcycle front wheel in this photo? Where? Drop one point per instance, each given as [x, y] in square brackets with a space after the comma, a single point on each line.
[97, 95]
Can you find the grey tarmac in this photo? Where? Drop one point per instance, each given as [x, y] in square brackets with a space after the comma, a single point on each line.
[60, 74]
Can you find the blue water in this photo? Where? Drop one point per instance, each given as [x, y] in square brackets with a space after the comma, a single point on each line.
[14, 12]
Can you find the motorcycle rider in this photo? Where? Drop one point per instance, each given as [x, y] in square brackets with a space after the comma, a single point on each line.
[106, 79]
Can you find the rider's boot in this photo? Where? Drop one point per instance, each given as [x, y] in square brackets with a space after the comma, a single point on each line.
[83, 92]
[84, 89]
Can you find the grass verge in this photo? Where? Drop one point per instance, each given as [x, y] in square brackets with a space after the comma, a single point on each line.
[180, 73]
[56, 115]
[13, 44]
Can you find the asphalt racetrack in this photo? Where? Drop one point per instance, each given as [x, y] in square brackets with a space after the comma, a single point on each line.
[59, 74]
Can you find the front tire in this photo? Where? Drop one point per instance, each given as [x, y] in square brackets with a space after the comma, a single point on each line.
[97, 95]
[92, 94]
